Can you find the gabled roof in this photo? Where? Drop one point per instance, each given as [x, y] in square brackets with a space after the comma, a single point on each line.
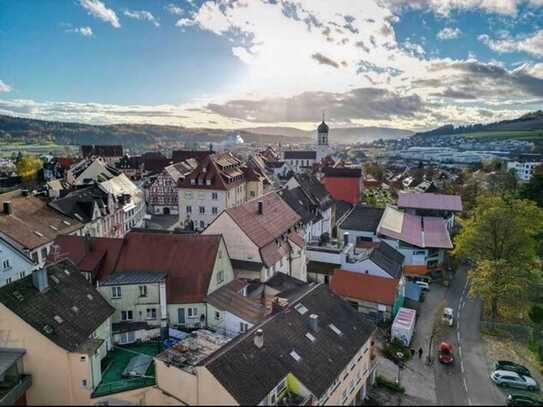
[388, 258]
[366, 287]
[32, 223]
[79, 204]
[182, 155]
[188, 261]
[363, 218]
[421, 200]
[267, 230]
[300, 202]
[40, 310]
[315, 190]
[249, 373]
[342, 172]
[215, 172]
[420, 231]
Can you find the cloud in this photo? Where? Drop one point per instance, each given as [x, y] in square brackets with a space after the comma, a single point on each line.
[324, 60]
[531, 44]
[99, 10]
[142, 15]
[449, 33]
[363, 103]
[174, 9]
[84, 31]
[4, 87]
[444, 7]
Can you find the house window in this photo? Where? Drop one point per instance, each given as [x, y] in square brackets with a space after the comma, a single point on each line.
[214, 211]
[143, 291]
[44, 253]
[116, 292]
[243, 327]
[6, 264]
[22, 274]
[202, 224]
[151, 313]
[84, 383]
[127, 316]
[214, 196]
[189, 209]
[217, 315]
[202, 210]
[35, 257]
[8, 280]
[192, 312]
[220, 277]
[83, 359]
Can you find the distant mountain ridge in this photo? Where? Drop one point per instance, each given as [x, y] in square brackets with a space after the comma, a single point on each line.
[19, 128]
[526, 122]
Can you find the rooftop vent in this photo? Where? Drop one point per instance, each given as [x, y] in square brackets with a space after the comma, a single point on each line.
[259, 338]
[55, 279]
[48, 329]
[75, 309]
[314, 322]
[66, 223]
[90, 297]
[38, 233]
[8, 208]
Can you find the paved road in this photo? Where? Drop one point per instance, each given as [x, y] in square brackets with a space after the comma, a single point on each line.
[467, 381]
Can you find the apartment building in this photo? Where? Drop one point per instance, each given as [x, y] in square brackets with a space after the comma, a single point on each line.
[29, 224]
[262, 238]
[327, 358]
[62, 327]
[14, 262]
[524, 169]
[218, 183]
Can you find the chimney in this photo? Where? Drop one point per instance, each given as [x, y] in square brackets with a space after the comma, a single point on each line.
[260, 207]
[259, 338]
[40, 279]
[314, 322]
[8, 209]
[346, 238]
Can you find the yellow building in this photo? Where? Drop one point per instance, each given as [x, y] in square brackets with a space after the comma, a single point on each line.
[62, 327]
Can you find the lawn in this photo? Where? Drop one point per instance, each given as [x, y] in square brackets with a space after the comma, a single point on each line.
[115, 363]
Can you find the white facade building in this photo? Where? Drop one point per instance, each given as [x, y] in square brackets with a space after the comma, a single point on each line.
[524, 170]
[14, 263]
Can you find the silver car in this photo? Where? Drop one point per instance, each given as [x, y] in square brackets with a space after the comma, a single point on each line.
[512, 379]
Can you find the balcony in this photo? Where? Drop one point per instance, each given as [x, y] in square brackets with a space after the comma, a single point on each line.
[289, 398]
[12, 389]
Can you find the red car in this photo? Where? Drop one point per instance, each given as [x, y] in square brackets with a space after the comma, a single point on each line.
[445, 353]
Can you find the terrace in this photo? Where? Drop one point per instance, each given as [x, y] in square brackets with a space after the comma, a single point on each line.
[114, 365]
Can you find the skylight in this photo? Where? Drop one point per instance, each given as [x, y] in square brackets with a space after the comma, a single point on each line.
[300, 308]
[66, 272]
[335, 329]
[67, 223]
[55, 279]
[38, 233]
[48, 329]
[90, 297]
[53, 227]
[58, 319]
[295, 356]
[310, 337]
[75, 309]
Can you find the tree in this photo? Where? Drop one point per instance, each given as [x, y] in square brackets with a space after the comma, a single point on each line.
[500, 237]
[502, 182]
[536, 314]
[28, 166]
[375, 170]
[533, 189]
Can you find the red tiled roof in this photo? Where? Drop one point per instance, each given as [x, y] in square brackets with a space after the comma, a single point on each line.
[360, 286]
[276, 218]
[104, 253]
[425, 200]
[188, 261]
[222, 171]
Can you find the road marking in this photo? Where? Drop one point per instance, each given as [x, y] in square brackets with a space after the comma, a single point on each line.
[460, 352]
[469, 401]
[465, 384]
[462, 366]
[458, 336]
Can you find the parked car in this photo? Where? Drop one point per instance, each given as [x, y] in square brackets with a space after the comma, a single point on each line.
[512, 379]
[522, 400]
[423, 284]
[447, 316]
[512, 367]
[445, 353]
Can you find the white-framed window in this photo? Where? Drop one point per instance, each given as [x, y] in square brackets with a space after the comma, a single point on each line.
[252, 194]
[8, 280]
[84, 383]
[192, 312]
[6, 264]
[243, 327]
[214, 196]
[220, 277]
[202, 224]
[143, 291]
[116, 292]
[214, 211]
[22, 274]
[127, 315]
[151, 313]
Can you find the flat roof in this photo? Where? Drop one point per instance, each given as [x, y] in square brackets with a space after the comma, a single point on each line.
[425, 200]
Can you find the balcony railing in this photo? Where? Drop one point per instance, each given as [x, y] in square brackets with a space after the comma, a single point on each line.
[10, 393]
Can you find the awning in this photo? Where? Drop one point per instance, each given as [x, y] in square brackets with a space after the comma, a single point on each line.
[416, 270]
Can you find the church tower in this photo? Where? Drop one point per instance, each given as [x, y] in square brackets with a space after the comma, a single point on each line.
[322, 133]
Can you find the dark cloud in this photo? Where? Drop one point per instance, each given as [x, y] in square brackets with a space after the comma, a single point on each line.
[324, 60]
[360, 44]
[362, 103]
[454, 94]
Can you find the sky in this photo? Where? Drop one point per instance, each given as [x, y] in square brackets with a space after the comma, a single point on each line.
[410, 64]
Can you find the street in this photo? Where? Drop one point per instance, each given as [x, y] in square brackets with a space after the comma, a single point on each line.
[467, 381]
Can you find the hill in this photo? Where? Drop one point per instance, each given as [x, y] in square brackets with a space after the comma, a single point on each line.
[66, 133]
[528, 126]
